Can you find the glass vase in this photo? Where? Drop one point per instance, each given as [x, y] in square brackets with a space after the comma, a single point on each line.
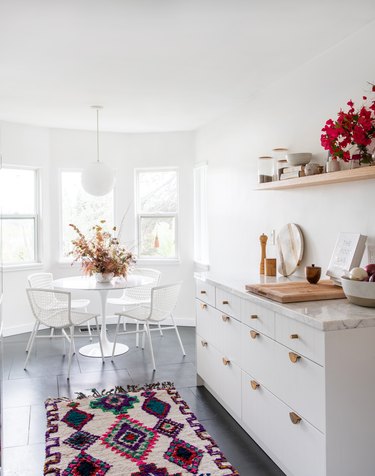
[104, 277]
[364, 155]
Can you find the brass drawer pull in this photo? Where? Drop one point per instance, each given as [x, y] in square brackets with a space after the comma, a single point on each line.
[203, 306]
[294, 357]
[254, 384]
[225, 302]
[294, 336]
[225, 318]
[254, 334]
[254, 316]
[226, 361]
[295, 419]
[204, 343]
[203, 292]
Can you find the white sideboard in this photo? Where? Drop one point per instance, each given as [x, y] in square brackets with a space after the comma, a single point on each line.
[299, 378]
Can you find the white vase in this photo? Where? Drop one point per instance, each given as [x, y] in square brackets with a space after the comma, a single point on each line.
[103, 277]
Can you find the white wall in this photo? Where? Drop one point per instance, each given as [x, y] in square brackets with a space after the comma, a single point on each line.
[26, 146]
[290, 114]
[53, 149]
[125, 153]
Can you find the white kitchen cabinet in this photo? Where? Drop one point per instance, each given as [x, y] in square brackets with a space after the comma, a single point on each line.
[302, 386]
[293, 442]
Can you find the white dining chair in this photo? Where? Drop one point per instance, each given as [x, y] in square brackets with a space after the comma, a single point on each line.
[139, 295]
[53, 309]
[162, 304]
[44, 280]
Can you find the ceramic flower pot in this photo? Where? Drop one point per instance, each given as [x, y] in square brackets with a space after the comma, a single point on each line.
[103, 277]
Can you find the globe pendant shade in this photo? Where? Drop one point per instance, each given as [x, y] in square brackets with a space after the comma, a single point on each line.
[97, 179]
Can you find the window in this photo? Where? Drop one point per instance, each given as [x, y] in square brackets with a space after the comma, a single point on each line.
[81, 209]
[200, 215]
[157, 209]
[19, 198]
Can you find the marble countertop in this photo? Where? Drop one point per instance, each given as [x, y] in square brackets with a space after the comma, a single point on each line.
[327, 315]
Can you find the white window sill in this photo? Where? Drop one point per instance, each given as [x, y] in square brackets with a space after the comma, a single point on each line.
[201, 266]
[9, 268]
[142, 261]
[158, 261]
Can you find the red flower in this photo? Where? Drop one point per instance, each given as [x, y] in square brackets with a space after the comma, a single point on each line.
[351, 128]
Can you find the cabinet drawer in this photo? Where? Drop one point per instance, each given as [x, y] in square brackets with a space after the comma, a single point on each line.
[230, 330]
[204, 359]
[304, 340]
[228, 303]
[298, 446]
[300, 384]
[221, 330]
[257, 355]
[221, 374]
[208, 322]
[258, 317]
[205, 292]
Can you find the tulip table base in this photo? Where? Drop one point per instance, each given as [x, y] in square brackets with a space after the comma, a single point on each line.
[93, 350]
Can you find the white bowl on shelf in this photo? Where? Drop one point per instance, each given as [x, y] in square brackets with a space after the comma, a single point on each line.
[300, 158]
[361, 293]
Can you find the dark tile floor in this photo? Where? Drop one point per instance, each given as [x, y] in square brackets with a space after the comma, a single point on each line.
[25, 391]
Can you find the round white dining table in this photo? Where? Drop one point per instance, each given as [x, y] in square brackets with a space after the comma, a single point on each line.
[85, 283]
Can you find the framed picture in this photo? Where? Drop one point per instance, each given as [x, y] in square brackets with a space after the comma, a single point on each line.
[347, 254]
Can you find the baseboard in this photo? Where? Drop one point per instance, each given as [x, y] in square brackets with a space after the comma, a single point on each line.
[180, 321]
[15, 330]
[23, 328]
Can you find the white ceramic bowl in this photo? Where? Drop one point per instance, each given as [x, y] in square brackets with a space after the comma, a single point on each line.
[361, 293]
[301, 158]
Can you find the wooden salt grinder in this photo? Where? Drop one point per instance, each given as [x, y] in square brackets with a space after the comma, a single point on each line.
[263, 242]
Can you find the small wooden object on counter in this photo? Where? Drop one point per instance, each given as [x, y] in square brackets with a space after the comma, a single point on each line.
[313, 273]
[263, 243]
[270, 266]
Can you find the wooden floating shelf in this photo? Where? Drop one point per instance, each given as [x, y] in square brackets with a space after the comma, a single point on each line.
[361, 173]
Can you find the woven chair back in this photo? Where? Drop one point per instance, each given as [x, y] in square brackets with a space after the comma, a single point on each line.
[163, 301]
[51, 308]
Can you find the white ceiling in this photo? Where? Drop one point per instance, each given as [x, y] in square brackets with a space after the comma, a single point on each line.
[156, 65]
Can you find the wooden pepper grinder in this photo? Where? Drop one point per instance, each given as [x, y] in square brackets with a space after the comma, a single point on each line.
[263, 242]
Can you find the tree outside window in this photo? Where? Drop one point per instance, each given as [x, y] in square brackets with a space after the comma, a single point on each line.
[19, 198]
[157, 210]
[81, 209]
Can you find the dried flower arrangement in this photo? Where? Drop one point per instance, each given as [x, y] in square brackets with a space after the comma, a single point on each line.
[102, 253]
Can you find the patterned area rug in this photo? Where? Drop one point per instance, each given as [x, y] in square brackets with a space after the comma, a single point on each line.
[129, 432]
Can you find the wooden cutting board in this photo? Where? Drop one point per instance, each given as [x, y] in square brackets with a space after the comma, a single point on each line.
[297, 291]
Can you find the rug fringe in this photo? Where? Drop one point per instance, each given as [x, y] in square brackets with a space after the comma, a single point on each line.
[129, 388]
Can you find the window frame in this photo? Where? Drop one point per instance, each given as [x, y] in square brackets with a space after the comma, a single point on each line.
[139, 215]
[36, 217]
[66, 260]
[201, 241]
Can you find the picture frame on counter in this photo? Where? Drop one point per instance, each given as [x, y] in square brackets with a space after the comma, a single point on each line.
[347, 254]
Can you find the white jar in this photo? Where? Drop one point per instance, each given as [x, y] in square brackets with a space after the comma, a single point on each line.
[279, 156]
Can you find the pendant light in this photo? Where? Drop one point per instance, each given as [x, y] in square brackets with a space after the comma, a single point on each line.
[97, 178]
